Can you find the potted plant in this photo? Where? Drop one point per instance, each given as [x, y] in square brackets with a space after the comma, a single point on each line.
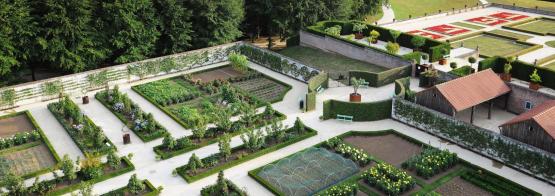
[471, 60]
[444, 55]
[418, 42]
[428, 78]
[535, 80]
[506, 75]
[356, 83]
[374, 35]
[358, 28]
[453, 65]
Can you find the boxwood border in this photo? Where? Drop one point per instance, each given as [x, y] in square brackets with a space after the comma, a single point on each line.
[147, 183]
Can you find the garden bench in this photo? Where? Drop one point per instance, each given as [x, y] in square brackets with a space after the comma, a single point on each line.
[344, 118]
[364, 84]
[319, 89]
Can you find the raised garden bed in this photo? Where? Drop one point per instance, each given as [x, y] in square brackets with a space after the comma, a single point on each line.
[241, 154]
[88, 137]
[149, 190]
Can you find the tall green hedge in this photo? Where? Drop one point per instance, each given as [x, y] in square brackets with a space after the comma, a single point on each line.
[382, 78]
[318, 80]
[521, 70]
[310, 101]
[369, 111]
[401, 85]
[432, 47]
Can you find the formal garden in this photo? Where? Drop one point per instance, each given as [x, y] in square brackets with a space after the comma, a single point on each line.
[135, 186]
[379, 163]
[538, 26]
[24, 148]
[490, 45]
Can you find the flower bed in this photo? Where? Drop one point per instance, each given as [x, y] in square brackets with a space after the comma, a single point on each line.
[150, 190]
[431, 161]
[167, 92]
[213, 190]
[388, 179]
[143, 125]
[356, 154]
[240, 154]
[19, 139]
[88, 137]
[341, 190]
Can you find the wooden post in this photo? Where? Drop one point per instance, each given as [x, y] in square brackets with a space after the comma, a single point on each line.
[472, 115]
[489, 109]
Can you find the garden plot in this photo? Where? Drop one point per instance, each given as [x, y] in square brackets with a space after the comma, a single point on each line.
[460, 187]
[389, 148]
[29, 160]
[12, 125]
[217, 74]
[263, 88]
[541, 26]
[491, 45]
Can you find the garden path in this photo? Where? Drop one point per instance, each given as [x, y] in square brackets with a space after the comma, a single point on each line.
[160, 172]
[388, 14]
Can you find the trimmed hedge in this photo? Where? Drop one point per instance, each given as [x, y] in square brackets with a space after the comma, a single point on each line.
[317, 81]
[496, 184]
[382, 78]
[181, 170]
[521, 70]
[310, 104]
[121, 191]
[462, 71]
[370, 111]
[431, 46]
[401, 86]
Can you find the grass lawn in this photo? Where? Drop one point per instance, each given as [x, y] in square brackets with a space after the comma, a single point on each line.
[332, 63]
[540, 26]
[470, 26]
[511, 34]
[542, 4]
[371, 18]
[491, 45]
[550, 44]
[404, 8]
[550, 66]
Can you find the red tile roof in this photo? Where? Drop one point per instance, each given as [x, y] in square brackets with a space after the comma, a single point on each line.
[543, 114]
[471, 90]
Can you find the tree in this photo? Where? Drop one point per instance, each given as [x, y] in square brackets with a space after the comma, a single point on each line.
[229, 94]
[129, 28]
[135, 186]
[199, 128]
[395, 34]
[299, 125]
[418, 42]
[248, 114]
[113, 159]
[16, 34]
[68, 168]
[276, 130]
[269, 112]
[356, 83]
[67, 35]
[86, 189]
[215, 22]
[222, 183]
[222, 120]
[175, 27]
[224, 145]
[194, 163]
[253, 139]
[169, 142]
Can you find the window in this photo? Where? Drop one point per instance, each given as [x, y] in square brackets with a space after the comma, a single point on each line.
[530, 128]
[528, 105]
[434, 95]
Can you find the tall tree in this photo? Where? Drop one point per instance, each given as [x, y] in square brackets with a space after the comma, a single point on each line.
[216, 22]
[175, 27]
[67, 35]
[129, 28]
[17, 32]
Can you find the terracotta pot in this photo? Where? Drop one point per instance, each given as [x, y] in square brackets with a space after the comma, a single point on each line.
[534, 86]
[85, 99]
[442, 61]
[355, 97]
[359, 35]
[506, 77]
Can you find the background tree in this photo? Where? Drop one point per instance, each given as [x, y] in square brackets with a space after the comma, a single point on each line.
[16, 34]
[175, 27]
[67, 35]
[129, 28]
[215, 22]
[68, 168]
[135, 186]
[224, 145]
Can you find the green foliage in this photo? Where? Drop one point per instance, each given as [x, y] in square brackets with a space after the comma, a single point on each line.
[370, 111]
[299, 126]
[453, 65]
[91, 167]
[199, 128]
[462, 71]
[19, 138]
[276, 130]
[18, 30]
[86, 189]
[431, 161]
[98, 79]
[350, 37]
[68, 168]
[8, 97]
[194, 163]
[534, 77]
[169, 142]
[224, 145]
[113, 159]
[472, 60]
[359, 27]
[356, 83]
[495, 184]
[418, 42]
[374, 35]
[167, 92]
[239, 62]
[175, 26]
[51, 88]
[215, 22]
[395, 34]
[341, 190]
[392, 48]
[135, 186]
[388, 179]
[253, 139]
[333, 31]
[507, 68]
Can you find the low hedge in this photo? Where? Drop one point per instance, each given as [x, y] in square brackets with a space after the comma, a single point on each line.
[121, 191]
[462, 71]
[181, 170]
[370, 111]
[496, 184]
[401, 86]
[521, 70]
[514, 27]
[317, 81]
[382, 78]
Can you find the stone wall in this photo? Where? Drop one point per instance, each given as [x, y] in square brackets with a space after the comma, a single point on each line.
[366, 54]
[520, 94]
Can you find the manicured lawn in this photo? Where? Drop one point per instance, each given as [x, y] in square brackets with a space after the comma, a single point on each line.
[550, 44]
[491, 45]
[540, 26]
[550, 66]
[511, 34]
[470, 26]
[404, 8]
[371, 18]
[542, 4]
[332, 63]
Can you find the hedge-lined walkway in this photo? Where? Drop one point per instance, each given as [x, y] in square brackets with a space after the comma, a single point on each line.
[160, 172]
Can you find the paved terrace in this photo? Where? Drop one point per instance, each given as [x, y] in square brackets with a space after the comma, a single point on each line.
[160, 172]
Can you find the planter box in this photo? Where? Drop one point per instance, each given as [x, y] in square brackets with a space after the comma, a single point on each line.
[355, 97]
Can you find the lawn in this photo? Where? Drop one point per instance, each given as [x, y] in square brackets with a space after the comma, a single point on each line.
[404, 8]
[334, 64]
[371, 18]
[542, 26]
[542, 4]
[519, 36]
[491, 45]
[550, 66]
[466, 25]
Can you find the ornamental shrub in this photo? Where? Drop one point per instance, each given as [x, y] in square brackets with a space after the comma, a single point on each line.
[535, 77]
[431, 161]
[334, 31]
[239, 62]
[392, 48]
[135, 186]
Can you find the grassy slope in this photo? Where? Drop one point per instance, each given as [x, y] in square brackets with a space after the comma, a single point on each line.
[371, 18]
[544, 5]
[404, 8]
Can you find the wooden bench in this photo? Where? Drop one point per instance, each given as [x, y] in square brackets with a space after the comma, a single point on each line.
[320, 89]
[364, 84]
[344, 118]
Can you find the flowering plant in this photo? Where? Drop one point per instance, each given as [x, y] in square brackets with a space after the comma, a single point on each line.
[431, 162]
[388, 179]
[341, 190]
[19, 138]
[356, 154]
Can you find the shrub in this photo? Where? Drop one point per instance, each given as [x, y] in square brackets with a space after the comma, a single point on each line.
[334, 31]
[19, 139]
[535, 77]
[431, 162]
[350, 37]
[388, 179]
[239, 62]
[359, 27]
[91, 167]
[194, 163]
[341, 190]
[135, 186]
[392, 48]
[471, 60]
[418, 42]
[453, 65]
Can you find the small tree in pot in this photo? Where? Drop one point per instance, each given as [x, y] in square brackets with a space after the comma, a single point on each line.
[444, 53]
[535, 80]
[358, 28]
[374, 35]
[428, 78]
[418, 42]
[506, 75]
[356, 83]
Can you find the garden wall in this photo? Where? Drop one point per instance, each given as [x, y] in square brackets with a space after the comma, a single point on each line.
[366, 54]
[369, 111]
[520, 94]
[384, 77]
[79, 83]
[518, 155]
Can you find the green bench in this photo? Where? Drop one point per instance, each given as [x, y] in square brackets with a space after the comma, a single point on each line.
[320, 89]
[344, 118]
